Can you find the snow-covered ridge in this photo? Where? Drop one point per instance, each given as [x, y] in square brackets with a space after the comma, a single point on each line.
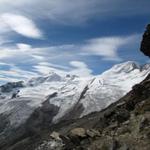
[70, 91]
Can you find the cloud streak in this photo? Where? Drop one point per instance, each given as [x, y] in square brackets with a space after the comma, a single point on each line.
[80, 69]
[21, 25]
[75, 12]
[107, 47]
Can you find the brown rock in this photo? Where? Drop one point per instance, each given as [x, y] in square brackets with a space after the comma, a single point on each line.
[78, 132]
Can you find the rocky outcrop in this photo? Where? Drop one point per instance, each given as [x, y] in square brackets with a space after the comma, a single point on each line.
[145, 45]
[10, 86]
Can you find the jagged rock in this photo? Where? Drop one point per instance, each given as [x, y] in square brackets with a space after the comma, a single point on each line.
[145, 45]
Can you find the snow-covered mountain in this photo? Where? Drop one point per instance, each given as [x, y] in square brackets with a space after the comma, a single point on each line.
[70, 96]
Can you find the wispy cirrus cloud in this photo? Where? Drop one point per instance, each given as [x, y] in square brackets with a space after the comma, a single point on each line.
[14, 73]
[21, 25]
[75, 12]
[108, 47]
[80, 68]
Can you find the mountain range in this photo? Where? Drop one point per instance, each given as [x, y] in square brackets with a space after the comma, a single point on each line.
[70, 94]
[42, 101]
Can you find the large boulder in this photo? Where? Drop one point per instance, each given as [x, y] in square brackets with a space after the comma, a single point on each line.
[78, 132]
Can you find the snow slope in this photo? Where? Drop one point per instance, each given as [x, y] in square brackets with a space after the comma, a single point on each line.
[70, 92]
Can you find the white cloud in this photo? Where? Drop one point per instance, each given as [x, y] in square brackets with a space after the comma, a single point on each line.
[46, 68]
[81, 69]
[43, 69]
[18, 73]
[24, 47]
[15, 73]
[7, 53]
[78, 64]
[54, 65]
[77, 68]
[107, 47]
[21, 24]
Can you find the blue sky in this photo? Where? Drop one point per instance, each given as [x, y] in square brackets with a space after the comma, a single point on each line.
[80, 37]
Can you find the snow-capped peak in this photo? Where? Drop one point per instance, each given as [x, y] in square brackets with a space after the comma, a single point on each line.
[126, 67]
[51, 77]
[146, 67]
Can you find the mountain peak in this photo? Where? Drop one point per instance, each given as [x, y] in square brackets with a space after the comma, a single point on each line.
[52, 76]
[146, 67]
[126, 67]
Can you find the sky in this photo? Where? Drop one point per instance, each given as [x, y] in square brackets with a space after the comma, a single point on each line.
[82, 37]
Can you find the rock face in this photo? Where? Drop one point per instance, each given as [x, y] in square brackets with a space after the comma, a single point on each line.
[145, 46]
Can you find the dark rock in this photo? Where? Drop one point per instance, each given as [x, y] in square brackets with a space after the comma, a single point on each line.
[15, 94]
[41, 118]
[10, 86]
[145, 122]
[52, 95]
[145, 45]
